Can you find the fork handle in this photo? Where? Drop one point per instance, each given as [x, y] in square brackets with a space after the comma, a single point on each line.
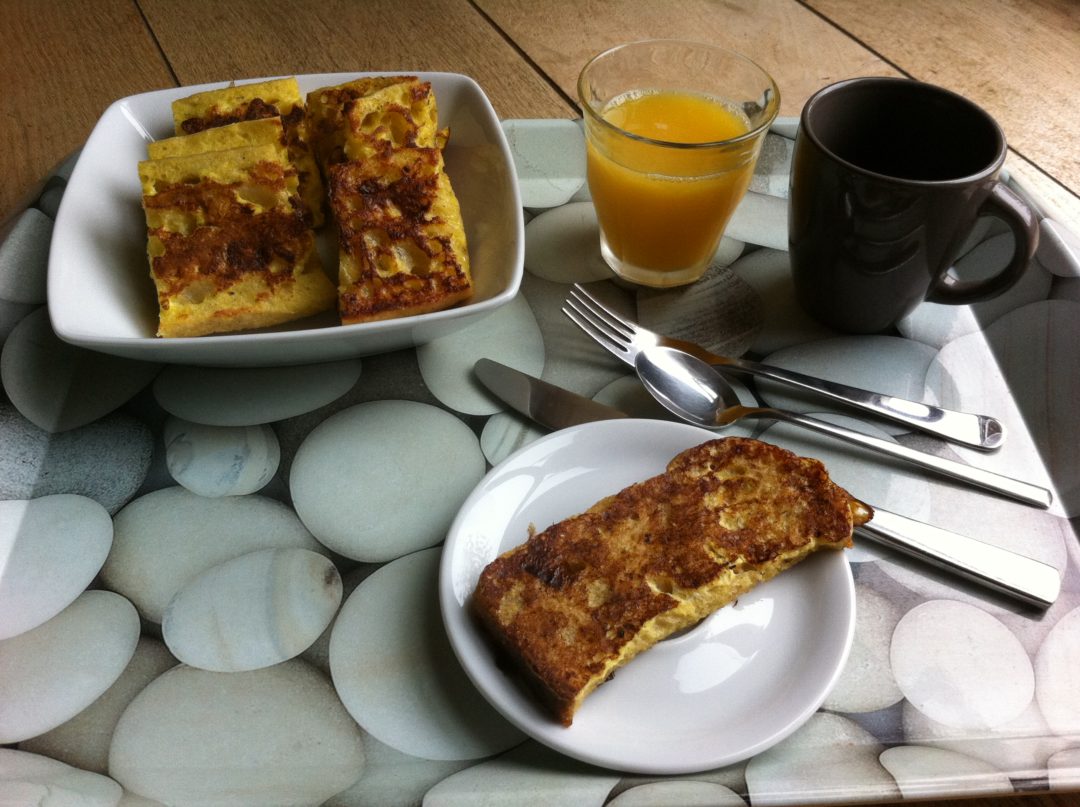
[1019, 576]
[978, 431]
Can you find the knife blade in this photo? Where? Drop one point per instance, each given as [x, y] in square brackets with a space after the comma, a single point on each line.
[1025, 579]
[551, 406]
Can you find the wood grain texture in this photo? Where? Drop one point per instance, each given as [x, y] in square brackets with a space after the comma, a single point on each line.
[1018, 59]
[63, 64]
[206, 40]
[800, 50]
[1013, 57]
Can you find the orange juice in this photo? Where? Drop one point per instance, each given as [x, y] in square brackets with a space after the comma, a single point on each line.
[663, 206]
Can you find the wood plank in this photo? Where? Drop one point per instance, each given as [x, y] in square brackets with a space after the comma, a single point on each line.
[1018, 59]
[799, 49]
[206, 40]
[53, 98]
[804, 51]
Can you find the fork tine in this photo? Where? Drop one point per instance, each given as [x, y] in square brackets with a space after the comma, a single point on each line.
[622, 325]
[618, 348]
[599, 323]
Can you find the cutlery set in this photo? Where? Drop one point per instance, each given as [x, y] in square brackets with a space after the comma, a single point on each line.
[627, 339]
[685, 379]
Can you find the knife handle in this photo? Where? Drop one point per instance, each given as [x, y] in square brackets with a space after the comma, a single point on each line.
[1018, 576]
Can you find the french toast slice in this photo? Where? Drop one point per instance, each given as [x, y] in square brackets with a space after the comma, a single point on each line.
[584, 596]
[276, 98]
[256, 132]
[228, 246]
[370, 116]
[401, 240]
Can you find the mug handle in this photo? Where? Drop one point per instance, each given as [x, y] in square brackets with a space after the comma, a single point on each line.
[1004, 204]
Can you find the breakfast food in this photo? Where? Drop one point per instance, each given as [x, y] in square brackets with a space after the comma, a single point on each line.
[232, 201]
[277, 98]
[369, 116]
[400, 234]
[587, 594]
[231, 136]
[401, 241]
[228, 248]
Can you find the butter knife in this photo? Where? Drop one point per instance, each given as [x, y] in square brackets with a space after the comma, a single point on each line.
[551, 406]
[1025, 579]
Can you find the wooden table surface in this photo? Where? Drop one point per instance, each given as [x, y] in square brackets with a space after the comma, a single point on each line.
[64, 62]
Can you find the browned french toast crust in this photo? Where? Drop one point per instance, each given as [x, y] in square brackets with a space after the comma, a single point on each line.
[399, 252]
[588, 593]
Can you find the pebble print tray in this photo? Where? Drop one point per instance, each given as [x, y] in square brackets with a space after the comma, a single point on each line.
[278, 531]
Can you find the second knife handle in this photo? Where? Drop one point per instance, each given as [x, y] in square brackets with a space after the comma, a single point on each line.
[1018, 576]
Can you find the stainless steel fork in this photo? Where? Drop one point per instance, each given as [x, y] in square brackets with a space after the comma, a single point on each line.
[625, 339]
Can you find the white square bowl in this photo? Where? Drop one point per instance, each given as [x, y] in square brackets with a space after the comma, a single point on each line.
[101, 295]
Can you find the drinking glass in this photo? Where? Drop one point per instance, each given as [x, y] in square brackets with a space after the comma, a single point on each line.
[673, 130]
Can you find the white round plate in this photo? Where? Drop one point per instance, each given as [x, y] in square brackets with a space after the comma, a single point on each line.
[729, 688]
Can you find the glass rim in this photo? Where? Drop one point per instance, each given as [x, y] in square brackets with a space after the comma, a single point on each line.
[754, 132]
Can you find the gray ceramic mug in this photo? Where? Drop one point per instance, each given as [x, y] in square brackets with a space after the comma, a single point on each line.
[888, 178]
